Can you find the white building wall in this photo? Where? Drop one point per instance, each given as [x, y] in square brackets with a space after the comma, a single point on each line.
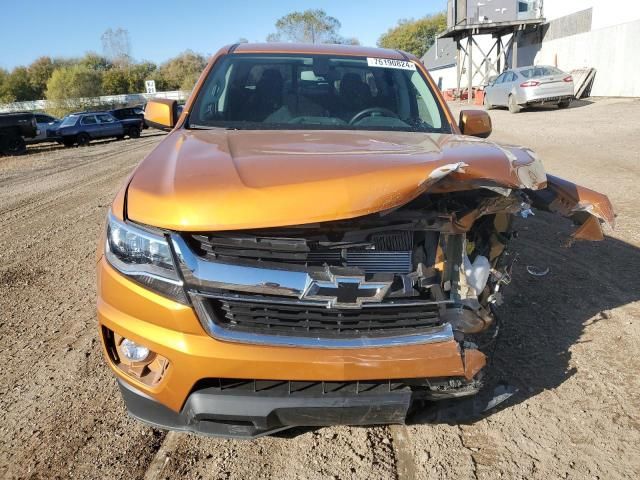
[445, 77]
[606, 13]
[611, 47]
[612, 51]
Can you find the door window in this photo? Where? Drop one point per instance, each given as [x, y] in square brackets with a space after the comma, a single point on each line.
[89, 120]
[509, 77]
[105, 118]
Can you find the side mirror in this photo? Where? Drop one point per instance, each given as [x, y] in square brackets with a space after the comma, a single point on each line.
[476, 123]
[161, 113]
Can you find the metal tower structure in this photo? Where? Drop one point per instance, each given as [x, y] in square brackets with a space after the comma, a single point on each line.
[467, 19]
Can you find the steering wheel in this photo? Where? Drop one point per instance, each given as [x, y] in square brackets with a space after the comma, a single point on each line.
[370, 111]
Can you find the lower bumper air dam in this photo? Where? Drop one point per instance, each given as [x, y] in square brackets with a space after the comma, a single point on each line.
[244, 411]
[212, 413]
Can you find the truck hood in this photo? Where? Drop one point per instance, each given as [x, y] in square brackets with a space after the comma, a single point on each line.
[197, 180]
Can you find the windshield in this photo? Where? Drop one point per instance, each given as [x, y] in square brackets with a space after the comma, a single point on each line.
[69, 121]
[543, 71]
[316, 92]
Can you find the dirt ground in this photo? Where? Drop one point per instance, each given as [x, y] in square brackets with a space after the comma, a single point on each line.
[570, 345]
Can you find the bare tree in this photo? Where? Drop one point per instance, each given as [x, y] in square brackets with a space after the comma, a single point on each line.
[310, 26]
[116, 45]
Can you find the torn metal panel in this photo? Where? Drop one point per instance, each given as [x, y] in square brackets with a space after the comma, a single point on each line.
[439, 173]
[587, 208]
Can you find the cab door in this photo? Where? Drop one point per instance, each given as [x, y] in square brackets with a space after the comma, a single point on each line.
[110, 127]
[44, 122]
[89, 124]
[505, 87]
[493, 91]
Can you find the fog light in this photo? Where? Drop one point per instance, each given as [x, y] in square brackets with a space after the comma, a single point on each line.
[132, 351]
[134, 359]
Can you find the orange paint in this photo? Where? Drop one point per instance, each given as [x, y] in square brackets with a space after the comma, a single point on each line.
[218, 179]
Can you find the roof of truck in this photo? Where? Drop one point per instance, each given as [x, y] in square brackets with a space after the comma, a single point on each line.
[320, 49]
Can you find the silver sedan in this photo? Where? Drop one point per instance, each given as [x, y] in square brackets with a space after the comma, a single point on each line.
[526, 86]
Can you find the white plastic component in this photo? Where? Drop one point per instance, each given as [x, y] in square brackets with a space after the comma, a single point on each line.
[477, 273]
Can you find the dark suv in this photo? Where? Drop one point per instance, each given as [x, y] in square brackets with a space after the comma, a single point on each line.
[14, 128]
[81, 128]
[129, 113]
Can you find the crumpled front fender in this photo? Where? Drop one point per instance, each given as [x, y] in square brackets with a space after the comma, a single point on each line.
[587, 208]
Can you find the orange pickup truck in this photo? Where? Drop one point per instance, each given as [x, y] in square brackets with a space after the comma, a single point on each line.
[317, 241]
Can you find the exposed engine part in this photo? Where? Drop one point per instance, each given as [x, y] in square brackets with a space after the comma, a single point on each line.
[448, 248]
[466, 320]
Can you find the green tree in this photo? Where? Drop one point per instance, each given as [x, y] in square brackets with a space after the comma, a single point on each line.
[414, 36]
[137, 74]
[310, 26]
[115, 82]
[70, 88]
[40, 72]
[182, 71]
[93, 61]
[5, 96]
[19, 86]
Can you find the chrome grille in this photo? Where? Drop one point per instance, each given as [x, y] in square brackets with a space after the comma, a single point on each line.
[284, 316]
[383, 253]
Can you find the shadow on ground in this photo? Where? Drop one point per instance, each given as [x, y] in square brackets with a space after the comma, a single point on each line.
[543, 317]
[546, 108]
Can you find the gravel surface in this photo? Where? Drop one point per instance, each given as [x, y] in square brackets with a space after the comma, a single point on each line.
[570, 344]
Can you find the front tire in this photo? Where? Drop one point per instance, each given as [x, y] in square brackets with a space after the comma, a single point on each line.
[13, 145]
[83, 139]
[134, 132]
[487, 103]
[513, 106]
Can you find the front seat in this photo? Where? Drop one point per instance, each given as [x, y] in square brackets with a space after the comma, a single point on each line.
[268, 96]
[355, 95]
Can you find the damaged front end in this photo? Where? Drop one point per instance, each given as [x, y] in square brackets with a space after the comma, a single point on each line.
[353, 320]
[434, 264]
[438, 260]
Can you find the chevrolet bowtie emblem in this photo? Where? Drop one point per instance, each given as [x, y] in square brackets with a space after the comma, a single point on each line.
[345, 291]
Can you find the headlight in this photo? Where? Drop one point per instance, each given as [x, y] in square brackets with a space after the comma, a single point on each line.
[143, 256]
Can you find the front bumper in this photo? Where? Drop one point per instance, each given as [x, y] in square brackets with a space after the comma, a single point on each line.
[250, 409]
[173, 331]
[210, 411]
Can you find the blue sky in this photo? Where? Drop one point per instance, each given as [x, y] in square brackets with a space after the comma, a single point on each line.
[161, 29]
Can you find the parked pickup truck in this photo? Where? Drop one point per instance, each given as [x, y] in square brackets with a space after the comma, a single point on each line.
[317, 241]
[14, 128]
